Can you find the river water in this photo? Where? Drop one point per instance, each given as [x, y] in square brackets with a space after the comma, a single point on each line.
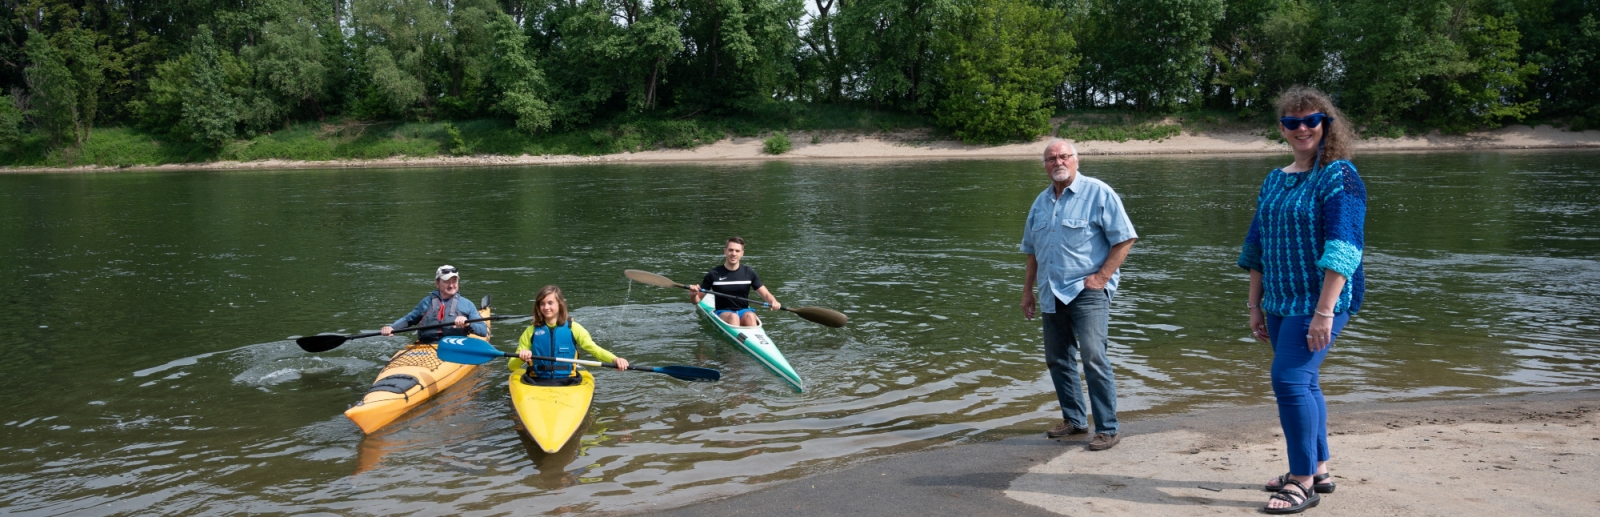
[150, 363]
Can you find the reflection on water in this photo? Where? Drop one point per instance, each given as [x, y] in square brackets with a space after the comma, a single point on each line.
[152, 319]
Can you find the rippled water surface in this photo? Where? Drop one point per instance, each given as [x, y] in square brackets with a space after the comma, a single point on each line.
[150, 365]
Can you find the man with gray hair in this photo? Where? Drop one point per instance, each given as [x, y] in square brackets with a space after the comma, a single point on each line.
[1076, 237]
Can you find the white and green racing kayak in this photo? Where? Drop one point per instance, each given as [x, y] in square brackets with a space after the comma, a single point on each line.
[754, 341]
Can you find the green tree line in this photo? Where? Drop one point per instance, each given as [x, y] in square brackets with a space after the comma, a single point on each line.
[210, 72]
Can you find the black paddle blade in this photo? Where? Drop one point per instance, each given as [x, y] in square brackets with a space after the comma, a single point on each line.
[468, 350]
[646, 277]
[689, 373]
[826, 317]
[321, 342]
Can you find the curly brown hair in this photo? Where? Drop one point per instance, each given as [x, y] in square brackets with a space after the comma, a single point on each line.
[1338, 136]
[561, 301]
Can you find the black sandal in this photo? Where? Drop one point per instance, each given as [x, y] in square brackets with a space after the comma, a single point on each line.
[1299, 501]
[1316, 484]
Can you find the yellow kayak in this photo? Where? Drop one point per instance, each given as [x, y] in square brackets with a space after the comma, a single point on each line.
[551, 414]
[413, 375]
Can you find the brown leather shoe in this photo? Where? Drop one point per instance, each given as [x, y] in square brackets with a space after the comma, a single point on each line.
[1103, 441]
[1065, 428]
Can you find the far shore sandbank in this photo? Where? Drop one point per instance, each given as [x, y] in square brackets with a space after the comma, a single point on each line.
[913, 145]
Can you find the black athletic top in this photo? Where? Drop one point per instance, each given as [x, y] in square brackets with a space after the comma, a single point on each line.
[737, 283]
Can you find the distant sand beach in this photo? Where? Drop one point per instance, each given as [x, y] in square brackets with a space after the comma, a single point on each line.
[920, 145]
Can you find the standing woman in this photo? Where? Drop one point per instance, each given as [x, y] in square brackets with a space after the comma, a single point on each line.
[1304, 255]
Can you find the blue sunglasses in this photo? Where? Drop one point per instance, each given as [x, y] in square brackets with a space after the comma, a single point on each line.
[1311, 121]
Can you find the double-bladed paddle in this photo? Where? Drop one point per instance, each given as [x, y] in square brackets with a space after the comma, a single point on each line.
[470, 350]
[828, 317]
[326, 342]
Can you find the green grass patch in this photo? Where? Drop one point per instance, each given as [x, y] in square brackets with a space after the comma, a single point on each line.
[778, 116]
[1121, 126]
[1083, 126]
[112, 147]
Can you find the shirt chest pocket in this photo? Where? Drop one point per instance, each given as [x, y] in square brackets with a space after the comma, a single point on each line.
[1041, 220]
[1075, 232]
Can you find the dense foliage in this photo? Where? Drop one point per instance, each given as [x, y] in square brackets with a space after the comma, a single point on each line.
[207, 73]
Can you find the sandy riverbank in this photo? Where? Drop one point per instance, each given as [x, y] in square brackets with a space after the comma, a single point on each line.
[918, 145]
[1533, 454]
[1538, 460]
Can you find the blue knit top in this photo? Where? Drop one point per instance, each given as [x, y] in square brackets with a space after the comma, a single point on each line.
[1306, 222]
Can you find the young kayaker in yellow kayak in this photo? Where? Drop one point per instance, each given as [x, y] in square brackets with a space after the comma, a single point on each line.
[555, 334]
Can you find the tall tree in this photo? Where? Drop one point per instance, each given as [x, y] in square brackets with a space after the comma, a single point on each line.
[88, 75]
[743, 53]
[209, 111]
[1484, 92]
[1004, 61]
[1563, 38]
[822, 60]
[887, 49]
[1148, 54]
[1433, 61]
[403, 48]
[517, 77]
[10, 123]
[1265, 46]
[293, 61]
[52, 89]
[612, 55]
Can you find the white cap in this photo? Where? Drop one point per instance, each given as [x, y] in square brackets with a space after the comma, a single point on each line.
[445, 272]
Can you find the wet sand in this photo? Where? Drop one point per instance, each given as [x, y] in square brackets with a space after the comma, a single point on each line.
[1533, 454]
[917, 145]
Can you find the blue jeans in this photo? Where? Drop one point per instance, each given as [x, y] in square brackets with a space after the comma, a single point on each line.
[1295, 375]
[1080, 327]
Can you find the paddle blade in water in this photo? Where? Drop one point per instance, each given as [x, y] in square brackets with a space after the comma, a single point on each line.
[646, 277]
[689, 373]
[467, 350]
[828, 317]
[321, 343]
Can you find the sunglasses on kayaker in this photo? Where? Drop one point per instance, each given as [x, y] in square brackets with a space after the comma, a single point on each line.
[1311, 121]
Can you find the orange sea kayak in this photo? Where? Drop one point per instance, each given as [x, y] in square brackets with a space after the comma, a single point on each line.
[413, 375]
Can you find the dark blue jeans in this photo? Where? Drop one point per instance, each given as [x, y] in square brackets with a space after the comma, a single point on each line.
[1295, 375]
[1078, 328]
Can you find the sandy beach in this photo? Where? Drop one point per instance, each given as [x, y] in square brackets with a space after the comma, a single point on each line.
[916, 145]
[1532, 454]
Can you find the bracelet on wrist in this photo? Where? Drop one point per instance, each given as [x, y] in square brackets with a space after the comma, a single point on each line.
[1249, 305]
[1320, 312]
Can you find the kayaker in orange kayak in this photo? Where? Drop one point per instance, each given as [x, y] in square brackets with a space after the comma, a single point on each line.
[442, 306]
[555, 334]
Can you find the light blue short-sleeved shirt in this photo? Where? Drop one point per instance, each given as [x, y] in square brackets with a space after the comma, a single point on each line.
[1071, 236]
